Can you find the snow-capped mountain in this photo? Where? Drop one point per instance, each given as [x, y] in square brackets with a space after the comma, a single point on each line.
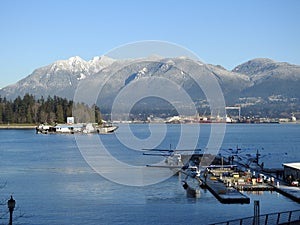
[59, 78]
[258, 78]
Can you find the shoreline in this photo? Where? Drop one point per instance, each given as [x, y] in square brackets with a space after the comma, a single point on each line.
[33, 126]
[17, 126]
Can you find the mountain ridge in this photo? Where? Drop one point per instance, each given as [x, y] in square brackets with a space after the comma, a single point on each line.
[257, 78]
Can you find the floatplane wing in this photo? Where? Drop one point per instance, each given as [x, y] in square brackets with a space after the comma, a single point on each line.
[167, 150]
[156, 154]
[162, 166]
[219, 166]
[186, 167]
[156, 149]
[171, 150]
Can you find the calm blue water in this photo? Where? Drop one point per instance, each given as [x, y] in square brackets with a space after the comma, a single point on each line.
[53, 184]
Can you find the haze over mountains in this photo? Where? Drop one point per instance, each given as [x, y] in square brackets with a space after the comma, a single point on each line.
[262, 85]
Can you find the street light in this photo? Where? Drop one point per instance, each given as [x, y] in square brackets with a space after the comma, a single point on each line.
[11, 203]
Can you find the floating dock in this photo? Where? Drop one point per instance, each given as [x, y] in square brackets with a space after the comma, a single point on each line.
[227, 195]
[255, 188]
[227, 184]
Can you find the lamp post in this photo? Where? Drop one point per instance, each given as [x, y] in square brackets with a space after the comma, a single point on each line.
[11, 203]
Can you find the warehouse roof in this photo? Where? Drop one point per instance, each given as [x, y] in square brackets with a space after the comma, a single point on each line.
[292, 165]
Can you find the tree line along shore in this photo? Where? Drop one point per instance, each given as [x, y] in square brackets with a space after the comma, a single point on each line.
[27, 112]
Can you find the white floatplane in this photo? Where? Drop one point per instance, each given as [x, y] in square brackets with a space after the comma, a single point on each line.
[189, 172]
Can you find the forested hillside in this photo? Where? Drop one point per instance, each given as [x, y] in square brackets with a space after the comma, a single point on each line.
[51, 110]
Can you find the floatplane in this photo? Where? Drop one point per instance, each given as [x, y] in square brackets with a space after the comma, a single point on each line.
[184, 168]
[247, 158]
[244, 157]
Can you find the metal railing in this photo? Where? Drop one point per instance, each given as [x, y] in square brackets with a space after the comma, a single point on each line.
[282, 218]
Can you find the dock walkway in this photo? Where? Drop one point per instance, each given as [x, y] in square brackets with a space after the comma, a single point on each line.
[261, 187]
[289, 191]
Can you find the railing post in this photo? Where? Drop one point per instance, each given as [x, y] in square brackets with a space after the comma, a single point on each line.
[278, 218]
[266, 221]
[290, 216]
[256, 213]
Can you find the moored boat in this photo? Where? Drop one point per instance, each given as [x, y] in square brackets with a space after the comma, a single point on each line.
[89, 128]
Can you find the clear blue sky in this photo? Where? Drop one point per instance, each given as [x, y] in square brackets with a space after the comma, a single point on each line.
[225, 32]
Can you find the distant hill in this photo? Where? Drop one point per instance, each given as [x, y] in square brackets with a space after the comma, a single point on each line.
[258, 82]
[270, 78]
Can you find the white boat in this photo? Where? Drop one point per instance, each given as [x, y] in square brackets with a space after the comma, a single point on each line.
[105, 129]
[99, 129]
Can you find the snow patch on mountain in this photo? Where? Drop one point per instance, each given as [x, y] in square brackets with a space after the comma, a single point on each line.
[82, 76]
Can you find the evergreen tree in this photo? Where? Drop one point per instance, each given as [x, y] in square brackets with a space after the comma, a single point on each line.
[98, 116]
[1, 112]
[60, 114]
[28, 116]
[8, 113]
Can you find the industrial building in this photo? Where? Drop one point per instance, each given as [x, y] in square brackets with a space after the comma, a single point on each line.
[291, 171]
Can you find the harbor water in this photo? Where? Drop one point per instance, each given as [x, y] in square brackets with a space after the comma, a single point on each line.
[53, 184]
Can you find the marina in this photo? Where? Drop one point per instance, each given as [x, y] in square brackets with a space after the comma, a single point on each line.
[247, 183]
[226, 181]
[231, 182]
[228, 189]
